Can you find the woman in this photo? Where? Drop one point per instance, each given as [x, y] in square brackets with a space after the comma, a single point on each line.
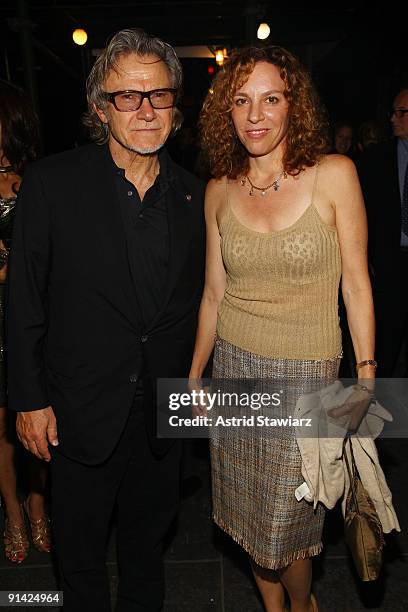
[370, 133]
[19, 144]
[284, 223]
[343, 138]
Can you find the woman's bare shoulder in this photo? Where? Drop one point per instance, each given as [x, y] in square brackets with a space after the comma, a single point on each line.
[215, 194]
[216, 186]
[335, 164]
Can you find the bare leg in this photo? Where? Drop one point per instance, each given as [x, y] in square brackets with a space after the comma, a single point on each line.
[8, 487]
[15, 536]
[35, 505]
[270, 587]
[297, 579]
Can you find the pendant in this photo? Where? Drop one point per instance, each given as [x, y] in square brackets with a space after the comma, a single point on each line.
[263, 193]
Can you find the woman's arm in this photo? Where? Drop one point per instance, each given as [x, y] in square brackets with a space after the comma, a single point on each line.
[215, 280]
[351, 223]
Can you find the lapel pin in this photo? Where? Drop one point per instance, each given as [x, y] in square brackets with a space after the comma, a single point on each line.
[188, 197]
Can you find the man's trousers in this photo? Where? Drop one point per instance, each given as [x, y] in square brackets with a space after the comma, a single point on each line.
[143, 490]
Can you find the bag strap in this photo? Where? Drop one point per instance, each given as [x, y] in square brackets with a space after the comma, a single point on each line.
[353, 461]
[353, 472]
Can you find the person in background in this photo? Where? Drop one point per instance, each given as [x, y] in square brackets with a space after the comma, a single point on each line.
[370, 133]
[19, 145]
[383, 171]
[343, 138]
[105, 281]
[285, 222]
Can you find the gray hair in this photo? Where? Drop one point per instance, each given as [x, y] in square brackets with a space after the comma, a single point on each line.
[125, 42]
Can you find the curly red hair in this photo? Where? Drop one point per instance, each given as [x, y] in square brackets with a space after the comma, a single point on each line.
[307, 136]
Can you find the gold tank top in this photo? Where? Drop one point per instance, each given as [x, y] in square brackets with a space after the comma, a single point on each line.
[281, 296]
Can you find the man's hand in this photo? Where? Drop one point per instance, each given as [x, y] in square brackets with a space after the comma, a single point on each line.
[35, 429]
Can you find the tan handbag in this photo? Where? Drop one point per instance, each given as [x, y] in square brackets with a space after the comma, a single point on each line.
[362, 529]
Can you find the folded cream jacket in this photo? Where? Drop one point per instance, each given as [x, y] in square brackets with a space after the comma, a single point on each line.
[321, 448]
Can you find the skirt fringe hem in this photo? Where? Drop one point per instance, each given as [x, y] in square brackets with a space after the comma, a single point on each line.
[269, 563]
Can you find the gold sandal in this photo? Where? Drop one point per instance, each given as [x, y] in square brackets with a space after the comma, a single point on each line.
[40, 531]
[16, 543]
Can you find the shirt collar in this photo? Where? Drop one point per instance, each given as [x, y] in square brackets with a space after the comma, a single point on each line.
[166, 174]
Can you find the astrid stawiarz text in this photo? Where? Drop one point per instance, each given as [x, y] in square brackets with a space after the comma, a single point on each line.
[244, 421]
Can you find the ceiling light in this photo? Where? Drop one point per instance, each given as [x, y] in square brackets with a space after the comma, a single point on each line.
[219, 57]
[263, 31]
[79, 36]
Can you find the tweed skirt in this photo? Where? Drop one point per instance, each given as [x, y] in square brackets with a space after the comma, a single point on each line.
[254, 476]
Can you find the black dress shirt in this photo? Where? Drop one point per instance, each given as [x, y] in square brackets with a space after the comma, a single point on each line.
[147, 235]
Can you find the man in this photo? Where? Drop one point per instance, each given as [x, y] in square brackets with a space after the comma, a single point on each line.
[105, 282]
[384, 180]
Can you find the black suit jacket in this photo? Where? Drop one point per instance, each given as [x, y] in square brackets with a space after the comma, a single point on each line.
[378, 172]
[75, 337]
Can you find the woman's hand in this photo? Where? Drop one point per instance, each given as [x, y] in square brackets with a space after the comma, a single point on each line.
[354, 410]
[200, 408]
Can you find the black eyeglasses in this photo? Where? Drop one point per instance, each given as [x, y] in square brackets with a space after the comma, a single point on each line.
[131, 100]
[398, 112]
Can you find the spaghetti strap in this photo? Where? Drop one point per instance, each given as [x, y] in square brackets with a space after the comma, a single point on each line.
[226, 193]
[227, 210]
[314, 184]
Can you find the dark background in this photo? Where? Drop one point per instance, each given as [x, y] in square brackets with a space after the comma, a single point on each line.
[356, 51]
